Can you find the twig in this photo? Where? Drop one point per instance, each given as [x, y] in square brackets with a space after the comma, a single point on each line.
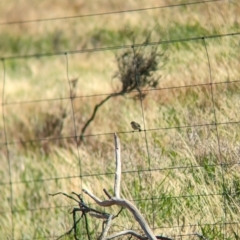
[94, 113]
[84, 209]
[201, 236]
[105, 231]
[127, 232]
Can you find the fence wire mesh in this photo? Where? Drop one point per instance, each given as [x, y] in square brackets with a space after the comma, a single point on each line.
[181, 170]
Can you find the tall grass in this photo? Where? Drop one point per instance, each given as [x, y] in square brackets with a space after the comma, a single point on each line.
[186, 181]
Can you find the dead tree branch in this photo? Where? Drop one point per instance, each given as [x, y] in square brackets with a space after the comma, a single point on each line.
[116, 200]
[112, 200]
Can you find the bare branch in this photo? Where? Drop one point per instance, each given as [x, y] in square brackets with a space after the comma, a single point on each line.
[93, 116]
[106, 192]
[200, 236]
[133, 233]
[106, 203]
[127, 204]
[127, 232]
[105, 231]
[62, 193]
[98, 215]
[118, 172]
[112, 200]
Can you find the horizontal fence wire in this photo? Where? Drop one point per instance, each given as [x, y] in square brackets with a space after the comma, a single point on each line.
[108, 13]
[120, 47]
[122, 132]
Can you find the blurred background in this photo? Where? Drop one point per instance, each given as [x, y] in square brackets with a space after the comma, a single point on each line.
[74, 72]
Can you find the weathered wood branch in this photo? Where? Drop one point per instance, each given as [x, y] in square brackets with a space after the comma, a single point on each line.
[116, 200]
[135, 234]
[127, 204]
[118, 172]
[105, 230]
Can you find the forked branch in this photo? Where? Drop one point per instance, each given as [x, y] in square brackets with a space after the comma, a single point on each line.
[112, 200]
[116, 200]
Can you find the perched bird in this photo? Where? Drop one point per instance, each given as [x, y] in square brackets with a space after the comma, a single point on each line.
[136, 126]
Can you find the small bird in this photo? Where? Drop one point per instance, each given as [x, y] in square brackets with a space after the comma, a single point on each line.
[136, 126]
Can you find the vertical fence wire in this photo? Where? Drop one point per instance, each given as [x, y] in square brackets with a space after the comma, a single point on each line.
[7, 149]
[144, 125]
[218, 139]
[74, 121]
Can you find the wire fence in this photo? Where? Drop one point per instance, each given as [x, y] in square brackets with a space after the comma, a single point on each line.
[210, 145]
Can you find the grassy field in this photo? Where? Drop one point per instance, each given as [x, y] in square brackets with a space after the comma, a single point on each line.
[185, 179]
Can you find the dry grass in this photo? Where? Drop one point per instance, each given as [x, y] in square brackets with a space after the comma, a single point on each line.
[182, 193]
